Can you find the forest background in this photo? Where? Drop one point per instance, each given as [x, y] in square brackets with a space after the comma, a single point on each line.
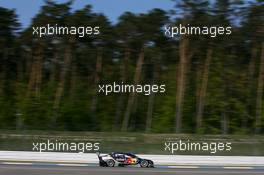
[213, 85]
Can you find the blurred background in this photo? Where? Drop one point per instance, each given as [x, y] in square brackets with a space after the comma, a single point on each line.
[214, 86]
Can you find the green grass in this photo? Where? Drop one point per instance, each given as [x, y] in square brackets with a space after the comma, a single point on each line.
[132, 142]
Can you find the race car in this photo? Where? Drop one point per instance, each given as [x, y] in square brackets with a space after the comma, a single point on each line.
[123, 159]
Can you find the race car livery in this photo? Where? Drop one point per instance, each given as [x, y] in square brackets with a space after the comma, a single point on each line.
[123, 159]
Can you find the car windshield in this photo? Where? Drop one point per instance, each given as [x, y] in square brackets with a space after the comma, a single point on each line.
[132, 155]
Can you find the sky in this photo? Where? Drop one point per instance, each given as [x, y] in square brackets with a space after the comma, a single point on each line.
[26, 9]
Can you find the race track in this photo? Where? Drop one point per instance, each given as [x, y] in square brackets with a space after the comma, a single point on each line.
[54, 163]
[73, 170]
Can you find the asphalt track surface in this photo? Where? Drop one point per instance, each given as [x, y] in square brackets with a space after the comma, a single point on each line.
[60, 170]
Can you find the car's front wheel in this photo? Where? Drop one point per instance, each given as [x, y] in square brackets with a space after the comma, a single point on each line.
[110, 163]
[144, 163]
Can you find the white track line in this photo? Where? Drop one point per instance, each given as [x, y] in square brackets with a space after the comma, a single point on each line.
[68, 164]
[187, 167]
[17, 163]
[239, 168]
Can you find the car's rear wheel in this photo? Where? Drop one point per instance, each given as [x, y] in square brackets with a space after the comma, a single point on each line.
[144, 163]
[151, 165]
[110, 163]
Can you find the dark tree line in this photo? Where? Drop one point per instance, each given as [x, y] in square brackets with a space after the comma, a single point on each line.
[213, 85]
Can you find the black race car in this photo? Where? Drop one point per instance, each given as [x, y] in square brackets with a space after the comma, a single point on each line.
[123, 159]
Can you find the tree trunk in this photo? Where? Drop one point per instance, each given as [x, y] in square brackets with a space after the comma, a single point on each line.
[98, 71]
[131, 97]
[54, 63]
[252, 64]
[150, 111]
[199, 73]
[39, 64]
[181, 83]
[73, 80]
[259, 92]
[63, 75]
[35, 76]
[19, 82]
[225, 123]
[151, 98]
[120, 103]
[203, 89]
[250, 79]
[3, 71]
[29, 63]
